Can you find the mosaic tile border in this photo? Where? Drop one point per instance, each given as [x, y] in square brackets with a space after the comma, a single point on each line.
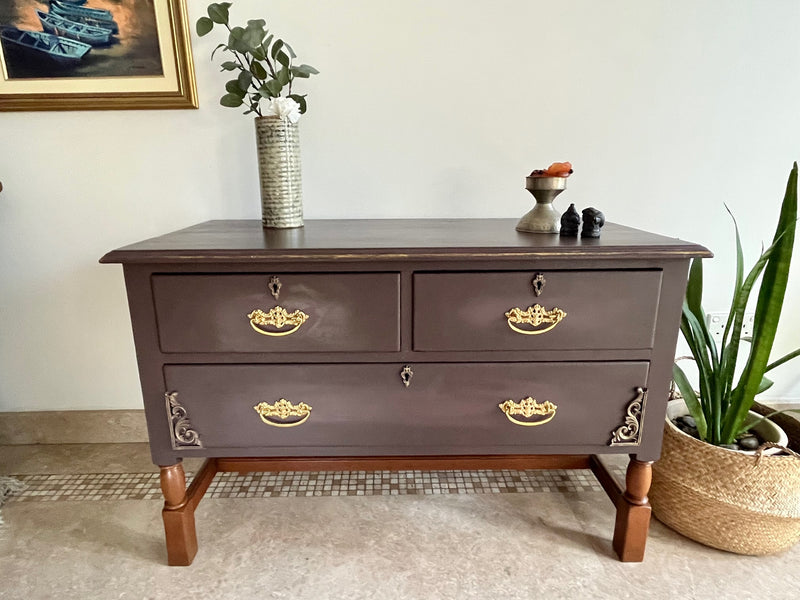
[146, 486]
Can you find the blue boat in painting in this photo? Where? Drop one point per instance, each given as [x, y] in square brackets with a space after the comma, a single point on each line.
[96, 17]
[59, 50]
[95, 36]
[75, 2]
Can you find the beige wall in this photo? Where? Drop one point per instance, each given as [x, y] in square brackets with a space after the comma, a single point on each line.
[433, 108]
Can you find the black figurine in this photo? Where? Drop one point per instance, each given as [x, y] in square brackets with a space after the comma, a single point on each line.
[593, 220]
[570, 222]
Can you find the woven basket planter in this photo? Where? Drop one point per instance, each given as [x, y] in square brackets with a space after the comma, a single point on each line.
[278, 143]
[726, 499]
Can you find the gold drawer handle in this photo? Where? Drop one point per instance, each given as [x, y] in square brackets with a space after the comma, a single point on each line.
[535, 316]
[283, 409]
[529, 407]
[277, 317]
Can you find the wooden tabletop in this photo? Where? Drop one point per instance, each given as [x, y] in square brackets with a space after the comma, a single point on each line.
[386, 239]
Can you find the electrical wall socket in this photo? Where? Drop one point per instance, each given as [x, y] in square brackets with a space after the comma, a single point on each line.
[716, 324]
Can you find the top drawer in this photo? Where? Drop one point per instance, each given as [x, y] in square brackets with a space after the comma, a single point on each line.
[475, 311]
[349, 312]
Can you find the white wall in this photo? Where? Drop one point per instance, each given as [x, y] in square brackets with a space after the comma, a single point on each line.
[434, 108]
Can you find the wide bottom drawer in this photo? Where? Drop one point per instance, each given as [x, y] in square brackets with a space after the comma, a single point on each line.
[355, 409]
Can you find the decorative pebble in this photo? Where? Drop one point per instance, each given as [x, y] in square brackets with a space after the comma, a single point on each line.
[689, 421]
[749, 442]
[730, 446]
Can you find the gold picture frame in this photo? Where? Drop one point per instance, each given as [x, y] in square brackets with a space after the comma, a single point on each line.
[174, 88]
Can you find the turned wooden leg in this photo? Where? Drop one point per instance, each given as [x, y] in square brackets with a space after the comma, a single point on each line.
[633, 512]
[178, 517]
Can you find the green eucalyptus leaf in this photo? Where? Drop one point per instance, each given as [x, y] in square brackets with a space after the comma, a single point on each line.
[231, 100]
[232, 87]
[301, 100]
[204, 25]
[245, 79]
[219, 12]
[259, 72]
[276, 47]
[253, 38]
[264, 92]
[256, 24]
[275, 87]
[283, 76]
[283, 58]
[230, 66]
[304, 71]
[258, 53]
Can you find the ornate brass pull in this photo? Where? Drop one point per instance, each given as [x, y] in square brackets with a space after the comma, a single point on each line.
[283, 409]
[529, 407]
[535, 316]
[277, 317]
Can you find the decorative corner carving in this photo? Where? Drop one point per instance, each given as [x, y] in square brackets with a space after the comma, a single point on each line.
[630, 432]
[182, 435]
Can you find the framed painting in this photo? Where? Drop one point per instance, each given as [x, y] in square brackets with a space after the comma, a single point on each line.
[95, 55]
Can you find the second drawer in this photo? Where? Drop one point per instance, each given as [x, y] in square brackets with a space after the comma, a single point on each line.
[575, 310]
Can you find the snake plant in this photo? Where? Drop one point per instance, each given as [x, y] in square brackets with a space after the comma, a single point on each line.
[720, 409]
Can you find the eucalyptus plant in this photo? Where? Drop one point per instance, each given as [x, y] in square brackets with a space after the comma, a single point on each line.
[720, 409]
[263, 65]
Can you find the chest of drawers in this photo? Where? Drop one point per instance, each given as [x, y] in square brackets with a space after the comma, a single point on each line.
[403, 344]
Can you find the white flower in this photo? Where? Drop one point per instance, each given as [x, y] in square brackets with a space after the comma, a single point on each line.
[284, 108]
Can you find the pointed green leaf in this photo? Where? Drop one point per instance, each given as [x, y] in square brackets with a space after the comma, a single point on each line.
[783, 359]
[771, 294]
[245, 79]
[230, 66]
[690, 398]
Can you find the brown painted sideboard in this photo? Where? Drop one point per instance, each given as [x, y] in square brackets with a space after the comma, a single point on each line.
[404, 344]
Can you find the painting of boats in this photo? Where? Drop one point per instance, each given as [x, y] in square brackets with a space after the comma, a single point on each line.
[44, 46]
[124, 36]
[94, 17]
[95, 36]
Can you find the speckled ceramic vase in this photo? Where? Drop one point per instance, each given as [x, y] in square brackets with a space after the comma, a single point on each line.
[278, 142]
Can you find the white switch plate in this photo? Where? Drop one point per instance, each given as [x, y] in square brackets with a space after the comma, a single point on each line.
[716, 324]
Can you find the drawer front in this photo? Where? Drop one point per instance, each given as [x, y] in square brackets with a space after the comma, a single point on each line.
[448, 408]
[219, 313]
[577, 310]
